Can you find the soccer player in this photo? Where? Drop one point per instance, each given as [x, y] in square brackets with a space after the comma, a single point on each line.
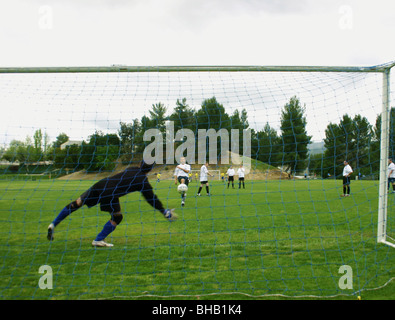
[222, 176]
[107, 192]
[347, 171]
[158, 177]
[231, 173]
[190, 177]
[196, 176]
[204, 179]
[391, 175]
[181, 176]
[241, 173]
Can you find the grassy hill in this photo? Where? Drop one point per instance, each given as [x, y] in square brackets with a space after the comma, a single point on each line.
[259, 171]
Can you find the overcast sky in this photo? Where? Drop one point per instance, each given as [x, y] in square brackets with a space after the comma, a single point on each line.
[196, 32]
[35, 33]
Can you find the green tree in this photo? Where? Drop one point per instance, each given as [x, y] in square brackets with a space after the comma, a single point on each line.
[36, 152]
[69, 158]
[38, 139]
[53, 150]
[350, 139]
[131, 135]
[375, 145]
[16, 151]
[266, 146]
[212, 115]
[362, 135]
[239, 120]
[294, 137]
[183, 116]
[158, 116]
[101, 152]
[333, 154]
[60, 139]
[46, 147]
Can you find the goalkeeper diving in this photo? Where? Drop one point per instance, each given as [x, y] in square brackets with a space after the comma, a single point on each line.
[107, 192]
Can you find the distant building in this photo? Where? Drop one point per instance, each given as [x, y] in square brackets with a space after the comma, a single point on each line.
[70, 143]
[8, 163]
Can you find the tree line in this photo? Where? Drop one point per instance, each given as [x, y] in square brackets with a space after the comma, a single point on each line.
[352, 138]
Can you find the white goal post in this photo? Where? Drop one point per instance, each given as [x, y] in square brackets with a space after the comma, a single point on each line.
[384, 154]
[216, 175]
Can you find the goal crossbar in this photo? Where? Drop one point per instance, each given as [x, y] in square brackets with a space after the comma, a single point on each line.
[120, 68]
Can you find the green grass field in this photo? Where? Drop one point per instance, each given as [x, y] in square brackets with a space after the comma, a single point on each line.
[284, 237]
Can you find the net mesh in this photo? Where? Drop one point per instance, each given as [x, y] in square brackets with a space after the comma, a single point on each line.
[287, 232]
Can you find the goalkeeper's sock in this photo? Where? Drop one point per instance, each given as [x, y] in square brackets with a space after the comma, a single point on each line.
[348, 190]
[207, 190]
[62, 215]
[107, 229]
[344, 190]
[200, 189]
[66, 211]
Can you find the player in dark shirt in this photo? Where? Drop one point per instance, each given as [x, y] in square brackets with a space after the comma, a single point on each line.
[107, 192]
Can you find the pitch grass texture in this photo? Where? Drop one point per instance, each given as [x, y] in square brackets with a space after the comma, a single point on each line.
[273, 238]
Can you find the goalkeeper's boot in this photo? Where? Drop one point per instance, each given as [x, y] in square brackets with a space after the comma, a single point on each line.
[51, 229]
[101, 243]
[170, 215]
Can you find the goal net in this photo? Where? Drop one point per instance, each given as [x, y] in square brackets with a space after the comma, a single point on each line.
[296, 226]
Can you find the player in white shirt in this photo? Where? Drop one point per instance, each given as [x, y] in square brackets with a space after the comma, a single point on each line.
[347, 171]
[181, 176]
[231, 173]
[391, 175]
[241, 173]
[204, 173]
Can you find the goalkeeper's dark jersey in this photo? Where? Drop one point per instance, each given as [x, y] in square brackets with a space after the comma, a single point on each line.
[108, 191]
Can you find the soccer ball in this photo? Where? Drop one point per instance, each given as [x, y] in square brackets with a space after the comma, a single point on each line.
[182, 188]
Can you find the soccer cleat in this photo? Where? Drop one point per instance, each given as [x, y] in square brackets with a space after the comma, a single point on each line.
[198, 194]
[50, 233]
[101, 244]
[182, 203]
[170, 215]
